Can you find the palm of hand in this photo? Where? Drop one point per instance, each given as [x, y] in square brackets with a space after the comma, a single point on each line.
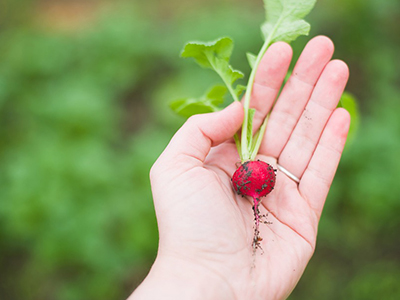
[220, 225]
[203, 222]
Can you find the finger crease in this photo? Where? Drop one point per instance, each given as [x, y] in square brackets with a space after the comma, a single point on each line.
[266, 86]
[296, 76]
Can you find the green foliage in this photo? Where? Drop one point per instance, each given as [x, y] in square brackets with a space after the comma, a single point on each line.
[366, 286]
[84, 115]
[284, 19]
[216, 55]
[75, 195]
[348, 102]
[209, 102]
[283, 23]
[251, 58]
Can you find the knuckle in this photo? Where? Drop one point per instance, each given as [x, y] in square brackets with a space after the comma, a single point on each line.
[193, 120]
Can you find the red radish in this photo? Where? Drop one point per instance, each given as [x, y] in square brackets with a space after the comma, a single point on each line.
[255, 179]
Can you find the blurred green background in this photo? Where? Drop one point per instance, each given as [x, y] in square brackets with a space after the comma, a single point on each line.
[84, 92]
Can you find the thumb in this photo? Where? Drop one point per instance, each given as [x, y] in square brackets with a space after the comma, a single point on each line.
[194, 139]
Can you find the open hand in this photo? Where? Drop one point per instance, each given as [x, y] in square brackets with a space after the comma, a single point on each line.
[206, 230]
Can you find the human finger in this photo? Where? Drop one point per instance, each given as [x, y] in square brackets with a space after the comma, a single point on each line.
[295, 94]
[317, 179]
[324, 99]
[268, 80]
[192, 142]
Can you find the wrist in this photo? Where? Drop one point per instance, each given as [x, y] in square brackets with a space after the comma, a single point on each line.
[179, 278]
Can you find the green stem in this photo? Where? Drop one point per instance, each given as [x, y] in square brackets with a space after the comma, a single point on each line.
[228, 84]
[230, 89]
[258, 139]
[235, 98]
[237, 142]
[245, 147]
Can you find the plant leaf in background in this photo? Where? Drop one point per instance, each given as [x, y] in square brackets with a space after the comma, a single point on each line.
[349, 102]
[207, 103]
[215, 55]
[284, 19]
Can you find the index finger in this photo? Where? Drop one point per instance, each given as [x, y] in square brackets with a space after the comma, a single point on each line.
[269, 77]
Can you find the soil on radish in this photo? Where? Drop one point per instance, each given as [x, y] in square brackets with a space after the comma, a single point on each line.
[255, 179]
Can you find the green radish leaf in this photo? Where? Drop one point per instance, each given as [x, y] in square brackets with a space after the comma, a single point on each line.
[209, 102]
[284, 19]
[239, 90]
[233, 75]
[349, 102]
[216, 94]
[252, 111]
[251, 58]
[215, 55]
[190, 106]
[284, 22]
[205, 52]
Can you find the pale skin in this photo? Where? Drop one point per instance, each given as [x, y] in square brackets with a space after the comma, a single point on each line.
[206, 230]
